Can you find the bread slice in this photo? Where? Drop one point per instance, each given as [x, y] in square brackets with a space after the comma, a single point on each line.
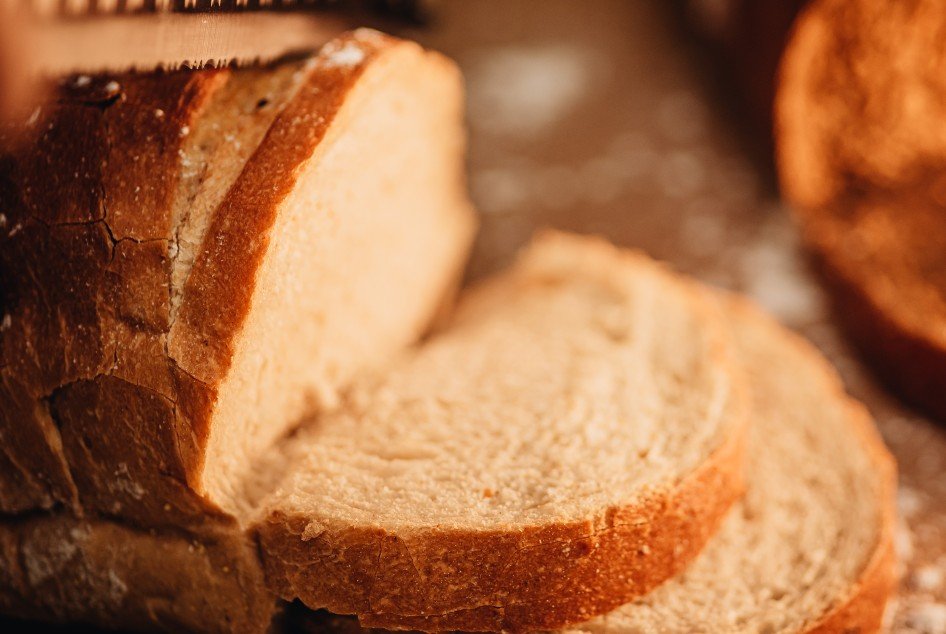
[810, 547]
[194, 261]
[569, 442]
[861, 154]
[97, 572]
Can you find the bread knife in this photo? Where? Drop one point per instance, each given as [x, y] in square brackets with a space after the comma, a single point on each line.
[44, 38]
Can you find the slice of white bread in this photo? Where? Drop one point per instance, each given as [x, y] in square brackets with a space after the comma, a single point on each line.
[194, 261]
[810, 547]
[569, 442]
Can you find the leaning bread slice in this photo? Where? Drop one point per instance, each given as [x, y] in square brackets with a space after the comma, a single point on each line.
[810, 547]
[862, 150]
[192, 262]
[569, 442]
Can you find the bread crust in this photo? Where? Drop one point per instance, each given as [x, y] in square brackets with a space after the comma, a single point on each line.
[523, 578]
[105, 392]
[57, 568]
[201, 338]
[864, 607]
[72, 249]
[861, 608]
[107, 381]
[909, 359]
[846, 139]
[536, 577]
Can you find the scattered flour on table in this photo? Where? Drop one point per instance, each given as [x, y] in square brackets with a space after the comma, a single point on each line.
[927, 578]
[523, 90]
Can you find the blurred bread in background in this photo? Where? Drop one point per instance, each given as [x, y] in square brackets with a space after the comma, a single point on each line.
[861, 155]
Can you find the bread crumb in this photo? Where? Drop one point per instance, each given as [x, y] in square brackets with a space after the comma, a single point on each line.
[82, 81]
[159, 113]
[6, 323]
[185, 130]
[123, 483]
[34, 117]
[312, 530]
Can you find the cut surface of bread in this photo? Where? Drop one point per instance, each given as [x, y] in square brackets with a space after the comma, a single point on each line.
[569, 441]
[861, 155]
[364, 251]
[810, 547]
[193, 261]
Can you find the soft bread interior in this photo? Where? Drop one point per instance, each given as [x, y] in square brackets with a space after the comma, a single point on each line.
[570, 440]
[815, 516]
[558, 390]
[360, 257]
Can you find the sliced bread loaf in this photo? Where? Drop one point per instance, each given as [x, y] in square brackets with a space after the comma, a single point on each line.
[810, 547]
[193, 261]
[569, 442]
[861, 154]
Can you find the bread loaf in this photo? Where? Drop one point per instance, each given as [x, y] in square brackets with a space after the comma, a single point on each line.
[192, 262]
[568, 442]
[861, 155]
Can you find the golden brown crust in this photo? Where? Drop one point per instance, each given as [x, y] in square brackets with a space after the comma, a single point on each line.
[105, 398]
[863, 609]
[522, 578]
[860, 156]
[908, 357]
[75, 247]
[201, 338]
[104, 404]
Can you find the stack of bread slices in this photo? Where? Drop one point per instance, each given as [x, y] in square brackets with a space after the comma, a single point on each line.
[215, 397]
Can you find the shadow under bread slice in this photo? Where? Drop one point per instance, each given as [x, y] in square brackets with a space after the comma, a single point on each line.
[569, 442]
